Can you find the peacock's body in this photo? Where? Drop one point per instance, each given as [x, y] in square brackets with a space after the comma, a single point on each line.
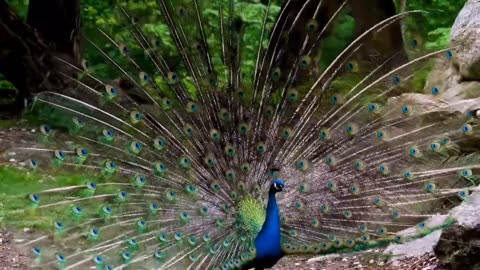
[180, 159]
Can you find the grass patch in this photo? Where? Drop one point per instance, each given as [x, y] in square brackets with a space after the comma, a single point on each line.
[16, 211]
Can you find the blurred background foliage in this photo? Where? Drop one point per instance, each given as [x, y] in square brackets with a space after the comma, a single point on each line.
[434, 33]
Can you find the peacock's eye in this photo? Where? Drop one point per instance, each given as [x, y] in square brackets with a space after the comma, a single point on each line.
[312, 25]
[144, 77]
[106, 210]
[167, 103]
[305, 62]
[34, 198]
[107, 133]
[126, 256]
[292, 94]
[435, 146]
[302, 164]
[60, 155]
[37, 251]
[212, 82]
[406, 109]
[215, 135]
[111, 91]
[261, 147]
[82, 152]
[46, 130]
[240, 93]
[380, 134]
[334, 99]
[60, 258]
[135, 116]
[159, 143]
[173, 77]
[414, 151]
[414, 43]
[33, 163]
[373, 107]
[430, 187]
[98, 259]
[276, 74]
[110, 165]
[123, 49]
[78, 122]
[396, 80]
[467, 129]
[91, 185]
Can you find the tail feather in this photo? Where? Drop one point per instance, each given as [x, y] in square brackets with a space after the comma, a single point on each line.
[175, 157]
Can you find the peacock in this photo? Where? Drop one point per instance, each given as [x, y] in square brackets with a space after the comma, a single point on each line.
[233, 158]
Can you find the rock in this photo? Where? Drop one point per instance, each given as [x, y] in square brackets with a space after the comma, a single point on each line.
[467, 214]
[459, 246]
[465, 37]
[415, 248]
[459, 79]
[323, 258]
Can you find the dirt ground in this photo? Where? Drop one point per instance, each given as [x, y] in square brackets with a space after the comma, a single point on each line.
[11, 256]
[360, 261]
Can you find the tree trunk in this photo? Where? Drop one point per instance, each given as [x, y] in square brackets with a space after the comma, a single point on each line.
[29, 51]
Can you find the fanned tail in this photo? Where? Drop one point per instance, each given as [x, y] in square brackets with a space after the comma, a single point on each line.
[171, 162]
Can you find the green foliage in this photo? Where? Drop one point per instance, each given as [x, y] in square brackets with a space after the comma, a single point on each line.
[437, 22]
[340, 37]
[107, 16]
[101, 15]
[20, 6]
[5, 84]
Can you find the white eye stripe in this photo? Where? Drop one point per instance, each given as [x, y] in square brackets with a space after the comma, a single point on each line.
[275, 185]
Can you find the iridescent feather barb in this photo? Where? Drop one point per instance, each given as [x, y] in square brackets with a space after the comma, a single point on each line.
[178, 157]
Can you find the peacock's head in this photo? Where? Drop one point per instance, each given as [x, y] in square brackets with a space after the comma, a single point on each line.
[277, 186]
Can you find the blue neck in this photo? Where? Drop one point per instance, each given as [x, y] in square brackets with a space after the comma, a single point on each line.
[267, 242]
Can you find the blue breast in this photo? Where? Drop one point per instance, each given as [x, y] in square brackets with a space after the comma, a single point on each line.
[267, 242]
